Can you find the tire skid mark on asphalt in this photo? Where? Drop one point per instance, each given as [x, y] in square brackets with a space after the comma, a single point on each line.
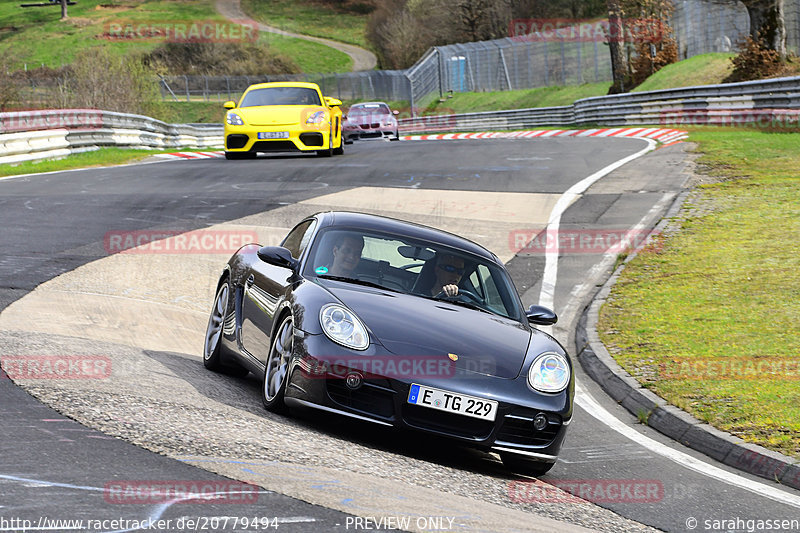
[365, 496]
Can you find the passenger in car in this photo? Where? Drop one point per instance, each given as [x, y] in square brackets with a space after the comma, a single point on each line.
[346, 254]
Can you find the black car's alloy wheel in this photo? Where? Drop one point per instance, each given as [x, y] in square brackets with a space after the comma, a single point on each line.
[212, 350]
[276, 373]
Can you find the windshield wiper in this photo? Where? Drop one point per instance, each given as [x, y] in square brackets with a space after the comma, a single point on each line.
[357, 281]
[462, 303]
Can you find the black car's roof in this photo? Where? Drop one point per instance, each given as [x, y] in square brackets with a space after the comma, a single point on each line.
[400, 227]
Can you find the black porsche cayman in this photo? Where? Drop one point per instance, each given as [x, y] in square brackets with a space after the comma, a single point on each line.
[397, 324]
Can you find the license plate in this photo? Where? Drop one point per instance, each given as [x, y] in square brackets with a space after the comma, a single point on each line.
[452, 402]
[273, 134]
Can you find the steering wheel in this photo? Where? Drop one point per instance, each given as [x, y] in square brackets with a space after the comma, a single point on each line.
[461, 292]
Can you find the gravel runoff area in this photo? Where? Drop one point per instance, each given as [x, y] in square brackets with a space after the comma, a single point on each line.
[168, 403]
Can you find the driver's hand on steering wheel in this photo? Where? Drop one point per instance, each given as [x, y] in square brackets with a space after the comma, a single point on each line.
[450, 290]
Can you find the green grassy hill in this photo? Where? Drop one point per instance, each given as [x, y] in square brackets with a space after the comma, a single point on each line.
[705, 69]
[34, 37]
[312, 18]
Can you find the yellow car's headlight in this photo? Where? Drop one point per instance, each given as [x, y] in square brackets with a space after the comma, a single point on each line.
[316, 118]
[234, 120]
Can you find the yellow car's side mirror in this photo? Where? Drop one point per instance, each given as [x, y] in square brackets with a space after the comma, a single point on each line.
[229, 104]
[332, 101]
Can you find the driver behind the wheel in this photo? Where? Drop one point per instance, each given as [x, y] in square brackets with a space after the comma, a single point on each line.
[449, 270]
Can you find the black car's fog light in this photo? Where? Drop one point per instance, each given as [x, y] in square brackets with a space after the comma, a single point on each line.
[353, 380]
[540, 422]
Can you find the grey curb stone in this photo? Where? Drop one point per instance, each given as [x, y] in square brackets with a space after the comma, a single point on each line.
[663, 417]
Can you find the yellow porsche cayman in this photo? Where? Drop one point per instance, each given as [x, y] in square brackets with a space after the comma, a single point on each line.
[283, 117]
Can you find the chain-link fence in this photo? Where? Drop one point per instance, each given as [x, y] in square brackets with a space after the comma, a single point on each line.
[791, 14]
[703, 26]
[497, 65]
[368, 85]
[700, 26]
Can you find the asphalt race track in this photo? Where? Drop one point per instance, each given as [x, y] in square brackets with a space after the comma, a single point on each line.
[141, 318]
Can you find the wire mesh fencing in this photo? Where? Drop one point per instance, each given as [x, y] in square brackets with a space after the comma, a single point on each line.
[518, 62]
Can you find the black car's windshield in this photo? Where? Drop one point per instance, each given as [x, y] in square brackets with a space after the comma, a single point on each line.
[413, 267]
[281, 96]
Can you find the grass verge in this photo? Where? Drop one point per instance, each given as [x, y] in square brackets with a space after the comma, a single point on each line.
[97, 158]
[308, 17]
[707, 317]
[520, 99]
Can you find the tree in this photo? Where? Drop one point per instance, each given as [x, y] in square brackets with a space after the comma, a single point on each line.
[615, 42]
[64, 10]
[767, 24]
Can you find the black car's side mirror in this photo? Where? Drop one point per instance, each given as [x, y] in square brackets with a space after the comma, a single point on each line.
[278, 256]
[541, 316]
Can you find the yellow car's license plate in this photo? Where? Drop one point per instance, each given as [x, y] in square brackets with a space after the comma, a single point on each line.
[452, 402]
[273, 134]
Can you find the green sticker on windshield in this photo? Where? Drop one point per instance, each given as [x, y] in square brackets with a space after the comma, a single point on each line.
[321, 270]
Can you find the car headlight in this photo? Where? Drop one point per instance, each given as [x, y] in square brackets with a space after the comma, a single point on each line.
[342, 326]
[234, 120]
[316, 118]
[549, 372]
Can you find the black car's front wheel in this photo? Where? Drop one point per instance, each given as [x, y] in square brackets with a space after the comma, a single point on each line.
[522, 465]
[212, 350]
[276, 373]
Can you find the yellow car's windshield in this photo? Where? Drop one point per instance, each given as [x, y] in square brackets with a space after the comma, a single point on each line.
[281, 96]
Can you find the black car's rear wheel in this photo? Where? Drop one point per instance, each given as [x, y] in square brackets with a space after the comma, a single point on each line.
[276, 373]
[523, 465]
[212, 350]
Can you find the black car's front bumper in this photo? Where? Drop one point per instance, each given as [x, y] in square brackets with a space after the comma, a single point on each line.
[384, 400]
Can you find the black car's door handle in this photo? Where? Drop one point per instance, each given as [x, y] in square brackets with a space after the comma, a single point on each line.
[251, 279]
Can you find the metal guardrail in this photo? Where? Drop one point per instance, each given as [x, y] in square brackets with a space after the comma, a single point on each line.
[775, 100]
[29, 135]
[768, 103]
